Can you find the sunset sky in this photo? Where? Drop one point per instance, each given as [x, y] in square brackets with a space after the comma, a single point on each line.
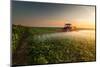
[52, 15]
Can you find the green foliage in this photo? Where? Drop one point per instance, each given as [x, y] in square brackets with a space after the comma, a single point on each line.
[63, 50]
[53, 50]
[17, 34]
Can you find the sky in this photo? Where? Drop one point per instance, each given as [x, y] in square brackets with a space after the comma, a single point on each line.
[36, 14]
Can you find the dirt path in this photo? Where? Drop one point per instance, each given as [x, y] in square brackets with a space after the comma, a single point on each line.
[20, 56]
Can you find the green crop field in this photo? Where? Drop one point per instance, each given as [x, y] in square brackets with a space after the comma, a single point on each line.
[37, 45]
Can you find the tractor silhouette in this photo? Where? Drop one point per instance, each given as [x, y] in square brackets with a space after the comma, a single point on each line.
[67, 27]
